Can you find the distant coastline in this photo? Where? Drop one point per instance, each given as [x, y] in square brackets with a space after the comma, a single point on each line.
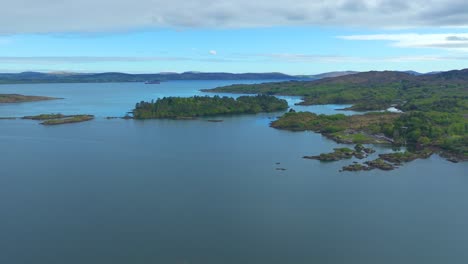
[39, 77]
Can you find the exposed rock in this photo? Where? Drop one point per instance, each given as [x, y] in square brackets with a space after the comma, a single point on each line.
[359, 152]
[400, 157]
[356, 167]
[380, 164]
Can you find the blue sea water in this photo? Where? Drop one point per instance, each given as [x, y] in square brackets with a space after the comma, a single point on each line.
[195, 192]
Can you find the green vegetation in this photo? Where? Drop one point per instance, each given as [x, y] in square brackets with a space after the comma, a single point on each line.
[422, 130]
[417, 130]
[389, 161]
[68, 120]
[341, 128]
[435, 109]
[337, 154]
[18, 98]
[379, 164]
[369, 91]
[59, 119]
[45, 116]
[356, 167]
[197, 106]
[401, 157]
[370, 165]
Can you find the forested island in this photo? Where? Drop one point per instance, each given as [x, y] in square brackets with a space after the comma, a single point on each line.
[199, 106]
[434, 118]
[59, 119]
[18, 98]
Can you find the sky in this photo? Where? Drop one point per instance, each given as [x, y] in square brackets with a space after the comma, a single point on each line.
[293, 37]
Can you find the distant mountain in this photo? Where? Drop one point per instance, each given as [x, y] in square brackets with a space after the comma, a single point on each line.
[367, 78]
[453, 77]
[61, 77]
[415, 73]
[332, 74]
[433, 72]
[373, 78]
[362, 81]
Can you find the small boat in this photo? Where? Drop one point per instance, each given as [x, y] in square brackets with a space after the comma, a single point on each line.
[153, 82]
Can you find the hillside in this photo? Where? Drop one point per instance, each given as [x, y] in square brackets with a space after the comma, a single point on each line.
[332, 74]
[369, 90]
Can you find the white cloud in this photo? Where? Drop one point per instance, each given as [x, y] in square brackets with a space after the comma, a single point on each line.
[213, 52]
[45, 16]
[448, 41]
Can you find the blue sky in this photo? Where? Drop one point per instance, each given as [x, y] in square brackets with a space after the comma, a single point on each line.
[234, 43]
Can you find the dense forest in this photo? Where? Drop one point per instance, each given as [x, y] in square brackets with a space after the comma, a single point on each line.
[197, 106]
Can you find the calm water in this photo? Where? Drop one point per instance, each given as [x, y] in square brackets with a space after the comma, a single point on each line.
[184, 192]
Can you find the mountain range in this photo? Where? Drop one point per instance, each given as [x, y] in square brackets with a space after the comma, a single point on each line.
[67, 77]
[71, 77]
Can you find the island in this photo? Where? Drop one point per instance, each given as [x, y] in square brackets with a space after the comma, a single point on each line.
[389, 161]
[18, 98]
[359, 152]
[200, 106]
[59, 119]
[432, 118]
[370, 165]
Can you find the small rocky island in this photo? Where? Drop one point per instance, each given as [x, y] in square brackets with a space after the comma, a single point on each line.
[59, 119]
[388, 161]
[200, 106]
[370, 165]
[359, 152]
[18, 98]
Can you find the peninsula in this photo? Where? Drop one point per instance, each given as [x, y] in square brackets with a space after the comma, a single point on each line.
[434, 109]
